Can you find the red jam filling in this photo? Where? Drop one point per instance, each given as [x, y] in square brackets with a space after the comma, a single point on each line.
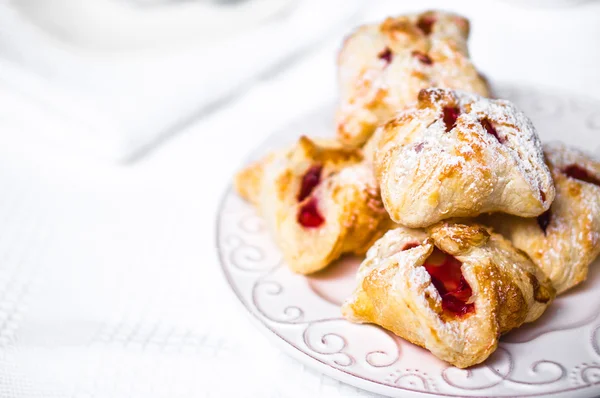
[450, 115]
[410, 246]
[310, 180]
[446, 276]
[422, 57]
[425, 24]
[579, 173]
[386, 55]
[543, 220]
[489, 127]
[309, 215]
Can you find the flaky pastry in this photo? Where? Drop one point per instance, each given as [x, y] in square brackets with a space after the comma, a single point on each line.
[455, 154]
[452, 289]
[382, 67]
[564, 240]
[318, 200]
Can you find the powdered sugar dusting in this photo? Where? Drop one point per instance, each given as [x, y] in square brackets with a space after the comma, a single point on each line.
[359, 174]
[464, 171]
[373, 89]
[519, 138]
[561, 155]
[571, 238]
[411, 281]
[390, 251]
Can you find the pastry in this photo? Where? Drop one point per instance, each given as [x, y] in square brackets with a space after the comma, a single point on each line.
[318, 200]
[455, 154]
[452, 289]
[382, 67]
[564, 240]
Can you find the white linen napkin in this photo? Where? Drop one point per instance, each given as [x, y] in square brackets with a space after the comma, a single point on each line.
[110, 285]
[117, 103]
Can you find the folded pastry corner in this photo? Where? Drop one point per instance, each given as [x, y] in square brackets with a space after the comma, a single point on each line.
[564, 240]
[318, 199]
[453, 289]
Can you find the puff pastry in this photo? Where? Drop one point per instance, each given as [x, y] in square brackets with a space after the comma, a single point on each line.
[453, 289]
[455, 154]
[382, 67]
[318, 200]
[564, 240]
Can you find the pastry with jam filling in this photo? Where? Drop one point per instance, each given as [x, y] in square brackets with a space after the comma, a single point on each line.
[382, 67]
[319, 201]
[453, 289]
[565, 239]
[455, 154]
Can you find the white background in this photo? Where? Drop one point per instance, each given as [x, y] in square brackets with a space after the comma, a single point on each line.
[109, 281]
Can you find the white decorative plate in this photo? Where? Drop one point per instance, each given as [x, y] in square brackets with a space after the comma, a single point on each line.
[559, 354]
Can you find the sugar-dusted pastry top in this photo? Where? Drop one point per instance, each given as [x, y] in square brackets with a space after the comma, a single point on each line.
[318, 199]
[565, 239]
[453, 289]
[455, 154]
[382, 67]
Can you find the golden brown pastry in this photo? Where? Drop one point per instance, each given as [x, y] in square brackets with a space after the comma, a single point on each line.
[564, 240]
[453, 289]
[455, 154]
[382, 67]
[318, 200]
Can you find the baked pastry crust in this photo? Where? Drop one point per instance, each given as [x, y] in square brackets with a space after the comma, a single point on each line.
[318, 200]
[382, 67]
[565, 239]
[455, 154]
[395, 290]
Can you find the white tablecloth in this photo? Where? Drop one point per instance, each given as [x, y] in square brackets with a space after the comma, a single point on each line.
[109, 280]
[115, 100]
